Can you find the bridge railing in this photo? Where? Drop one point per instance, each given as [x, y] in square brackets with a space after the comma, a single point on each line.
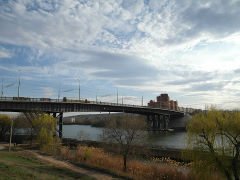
[30, 99]
[82, 101]
[61, 100]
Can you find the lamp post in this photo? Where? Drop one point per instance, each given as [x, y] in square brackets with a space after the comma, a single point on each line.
[19, 84]
[79, 89]
[96, 96]
[117, 96]
[2, 89]
[59, 92]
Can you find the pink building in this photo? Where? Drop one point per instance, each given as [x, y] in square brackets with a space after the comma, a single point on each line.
[164, 102]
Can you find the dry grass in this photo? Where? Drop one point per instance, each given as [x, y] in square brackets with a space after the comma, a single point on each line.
[163, 169]
[167, 160]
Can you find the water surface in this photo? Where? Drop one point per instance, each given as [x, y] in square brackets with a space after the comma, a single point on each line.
[163, 139]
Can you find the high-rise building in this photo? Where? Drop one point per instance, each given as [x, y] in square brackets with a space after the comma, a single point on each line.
[164, 102]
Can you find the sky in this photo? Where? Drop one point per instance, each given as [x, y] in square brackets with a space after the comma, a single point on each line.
[189, 49]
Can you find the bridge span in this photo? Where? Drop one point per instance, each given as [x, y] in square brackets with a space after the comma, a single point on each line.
[156, 118]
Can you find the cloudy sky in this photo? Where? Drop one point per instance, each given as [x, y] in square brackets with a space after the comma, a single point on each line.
[189, 49]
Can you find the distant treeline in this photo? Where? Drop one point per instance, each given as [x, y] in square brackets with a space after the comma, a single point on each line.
[95, 120]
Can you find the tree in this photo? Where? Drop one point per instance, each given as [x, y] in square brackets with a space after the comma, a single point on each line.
[82, 135]
[44, 126]
[128, 132]
[214, 138]
[5, 124]
[20, 122]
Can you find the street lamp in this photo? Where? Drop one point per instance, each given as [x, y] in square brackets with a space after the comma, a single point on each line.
[117, 96]
[19, 83]
[79, 89]
[2, 88]
[59, 92]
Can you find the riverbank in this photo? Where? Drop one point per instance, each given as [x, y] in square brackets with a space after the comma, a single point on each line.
[87, 163]
[22, 165]
[146, 151]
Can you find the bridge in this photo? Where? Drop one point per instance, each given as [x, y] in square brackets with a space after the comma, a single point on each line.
[156, 118]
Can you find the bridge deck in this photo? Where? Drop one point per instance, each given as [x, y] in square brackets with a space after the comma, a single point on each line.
[11, 104]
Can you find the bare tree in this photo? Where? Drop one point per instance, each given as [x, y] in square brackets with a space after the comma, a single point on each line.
[128, 132]
[82, 135]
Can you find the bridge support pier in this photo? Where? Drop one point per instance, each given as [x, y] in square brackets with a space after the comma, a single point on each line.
[154, 126]
[157, 121]
[149, 123]
[60, 124]
[166, 119]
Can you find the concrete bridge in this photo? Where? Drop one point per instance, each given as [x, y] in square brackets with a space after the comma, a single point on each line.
[156, 118]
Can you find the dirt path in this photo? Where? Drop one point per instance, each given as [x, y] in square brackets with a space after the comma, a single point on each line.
[1, 147]
[63, 164]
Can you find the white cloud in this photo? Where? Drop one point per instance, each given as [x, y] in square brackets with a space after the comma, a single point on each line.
[167, 46]
[4, 53]
[48, 91]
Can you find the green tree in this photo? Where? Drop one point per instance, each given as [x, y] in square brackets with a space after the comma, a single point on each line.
[44, 126]
[214, 139]
[127, 132]
[5, 124]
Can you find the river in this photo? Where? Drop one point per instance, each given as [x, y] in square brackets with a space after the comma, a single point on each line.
[175, 140]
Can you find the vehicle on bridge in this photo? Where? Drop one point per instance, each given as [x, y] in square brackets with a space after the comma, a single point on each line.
[21, 98]
[45, 99]
[67, 99]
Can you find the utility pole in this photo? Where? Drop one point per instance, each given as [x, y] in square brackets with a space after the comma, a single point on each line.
[59, 91]
[122, 100]
[19, 84]
[2, 89]
[117, 95]
[96, 95]
[79, 89]
[142, 100]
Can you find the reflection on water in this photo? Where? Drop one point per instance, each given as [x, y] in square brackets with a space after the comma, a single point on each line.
[71, 131]
[163, 139]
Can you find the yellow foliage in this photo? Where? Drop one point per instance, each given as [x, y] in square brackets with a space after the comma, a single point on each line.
[45, 126]
[213, 139]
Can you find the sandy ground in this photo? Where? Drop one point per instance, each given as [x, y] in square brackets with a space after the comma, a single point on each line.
[1, 147]
[63, 164]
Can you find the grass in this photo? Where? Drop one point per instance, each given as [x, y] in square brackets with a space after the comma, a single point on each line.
[22, 166]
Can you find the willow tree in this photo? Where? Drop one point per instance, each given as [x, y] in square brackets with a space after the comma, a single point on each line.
[44, 127]
[127, 132]
[214, 139]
